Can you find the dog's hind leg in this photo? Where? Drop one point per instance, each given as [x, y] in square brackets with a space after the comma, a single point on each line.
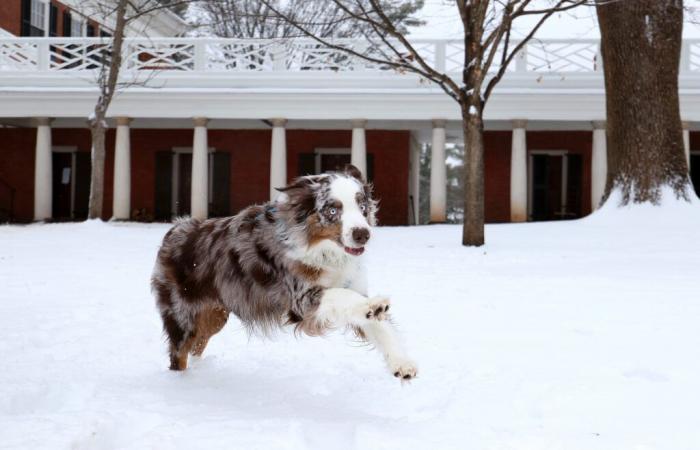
[209, 322]
[180, 338]
[176, 330]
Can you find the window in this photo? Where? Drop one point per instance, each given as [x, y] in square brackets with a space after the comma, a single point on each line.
[37, 15]
[33, 18]
[76, 27]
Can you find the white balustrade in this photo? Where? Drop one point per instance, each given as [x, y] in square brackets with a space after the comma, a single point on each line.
[293, 55]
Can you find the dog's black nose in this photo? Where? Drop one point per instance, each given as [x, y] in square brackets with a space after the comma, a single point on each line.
[360, 235]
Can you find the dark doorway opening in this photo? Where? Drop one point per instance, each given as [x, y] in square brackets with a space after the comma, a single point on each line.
[184, 185]
[71, 185]
[695, 171]
[555, 186]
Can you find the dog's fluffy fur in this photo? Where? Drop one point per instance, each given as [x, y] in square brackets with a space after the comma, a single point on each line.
[293, 261]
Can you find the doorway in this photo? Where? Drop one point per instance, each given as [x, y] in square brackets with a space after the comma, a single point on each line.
[555, 185]
[695, 171]
[173, 183]
[70, 184]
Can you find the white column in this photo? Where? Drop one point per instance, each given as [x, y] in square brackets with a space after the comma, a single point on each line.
[121, 205]
[43, 177]
[686, 142]
[599, 164]
[415, 178]
[278, 157]
[358, 154]
[518, 172]
[199, 203]
[438, 174]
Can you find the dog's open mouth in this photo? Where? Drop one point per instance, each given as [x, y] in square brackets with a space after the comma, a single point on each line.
[355, 251]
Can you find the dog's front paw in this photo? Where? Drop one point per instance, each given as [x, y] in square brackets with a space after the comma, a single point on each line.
[403, 368]
[377, 308]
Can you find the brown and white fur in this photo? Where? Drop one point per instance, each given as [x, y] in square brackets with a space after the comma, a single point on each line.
[297, 261]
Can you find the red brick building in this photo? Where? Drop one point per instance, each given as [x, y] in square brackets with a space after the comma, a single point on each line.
[218, 123]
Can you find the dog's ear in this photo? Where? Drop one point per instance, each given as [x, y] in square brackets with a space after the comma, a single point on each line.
[301, 195]
[353, 172]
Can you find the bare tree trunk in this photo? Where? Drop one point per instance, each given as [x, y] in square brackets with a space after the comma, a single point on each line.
[97, 176]
[473, 229]
[108, 78]
[641, 46]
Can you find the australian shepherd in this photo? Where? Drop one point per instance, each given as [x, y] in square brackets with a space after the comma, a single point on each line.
[294, 261]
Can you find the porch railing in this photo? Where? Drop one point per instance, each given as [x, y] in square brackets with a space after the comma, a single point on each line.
[293, 55]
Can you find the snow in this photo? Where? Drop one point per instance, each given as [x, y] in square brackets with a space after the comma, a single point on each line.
[443, 21]
[561, 335]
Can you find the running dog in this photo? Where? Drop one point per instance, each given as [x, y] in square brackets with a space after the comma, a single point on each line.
[294, 261]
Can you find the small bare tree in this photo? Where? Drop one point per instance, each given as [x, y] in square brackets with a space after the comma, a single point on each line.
[109, 66]
[489, 47]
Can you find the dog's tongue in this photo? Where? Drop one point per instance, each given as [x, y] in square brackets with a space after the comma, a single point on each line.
[355, 251]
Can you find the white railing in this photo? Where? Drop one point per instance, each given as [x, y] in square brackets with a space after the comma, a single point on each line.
[297, 55]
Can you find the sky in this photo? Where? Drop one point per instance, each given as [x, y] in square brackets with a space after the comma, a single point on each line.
[443, 22]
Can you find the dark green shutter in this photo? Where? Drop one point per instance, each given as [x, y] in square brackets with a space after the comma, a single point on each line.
[83, 168]
[220, 203]
[66, 24]
[163, 189]
[26, 21]
[53, 20]
[90, 31]
[370, 167]
[307, 164]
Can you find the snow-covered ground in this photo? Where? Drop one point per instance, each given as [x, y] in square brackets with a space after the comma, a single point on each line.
[575, 335]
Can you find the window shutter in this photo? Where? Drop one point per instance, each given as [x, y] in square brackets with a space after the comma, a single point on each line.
[83, 166]
[163, 189]
[90, 31]
[220, 202]
[53, 21]
[370, 167]
[307, 164]
[26, 21]
[66, 23]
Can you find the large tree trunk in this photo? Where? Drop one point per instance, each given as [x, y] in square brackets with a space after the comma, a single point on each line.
[473, 127]
[641, 45]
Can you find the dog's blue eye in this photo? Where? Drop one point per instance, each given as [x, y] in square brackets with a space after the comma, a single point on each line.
[332, 211]
[363, 208]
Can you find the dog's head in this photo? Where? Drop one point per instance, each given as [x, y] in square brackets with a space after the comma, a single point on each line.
[336, 207]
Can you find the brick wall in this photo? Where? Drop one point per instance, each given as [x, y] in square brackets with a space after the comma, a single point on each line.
[250, 163]
[497, 146]
[11, 17]
[250, 159]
